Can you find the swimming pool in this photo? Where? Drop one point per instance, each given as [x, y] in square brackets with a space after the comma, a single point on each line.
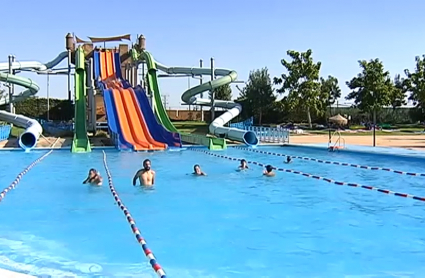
[228, 224]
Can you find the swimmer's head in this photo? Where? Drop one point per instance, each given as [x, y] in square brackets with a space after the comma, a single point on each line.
[269, 168]
[147, 164]
[197, 169]
[243, 163]
[92, 172]
[288, 159]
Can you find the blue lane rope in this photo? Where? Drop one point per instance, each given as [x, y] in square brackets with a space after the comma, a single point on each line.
[369, 187]
[336, 162]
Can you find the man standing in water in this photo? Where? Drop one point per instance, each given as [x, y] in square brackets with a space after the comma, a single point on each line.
[146, 175]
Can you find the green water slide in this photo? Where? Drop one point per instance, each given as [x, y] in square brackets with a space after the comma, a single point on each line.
[81, 142]
[211, 142]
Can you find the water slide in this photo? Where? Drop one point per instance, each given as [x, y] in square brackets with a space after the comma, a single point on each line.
[217, 126]
[80, 142]
[33, 129]
[132, 125]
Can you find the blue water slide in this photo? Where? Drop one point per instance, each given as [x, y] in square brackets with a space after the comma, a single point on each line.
[96, 66]
[117, 63]
[158, 132]
[113, 123]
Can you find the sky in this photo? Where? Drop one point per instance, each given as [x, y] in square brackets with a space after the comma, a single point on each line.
[240, 35]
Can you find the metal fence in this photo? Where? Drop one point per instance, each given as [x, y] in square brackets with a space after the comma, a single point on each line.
[270, 134]
[5, 132]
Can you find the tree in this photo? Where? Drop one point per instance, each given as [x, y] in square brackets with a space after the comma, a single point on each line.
[258, 94]
[223, 92]
[372, 88]
[398, 92]
[301, 82]
[329, 91]
[415, 82]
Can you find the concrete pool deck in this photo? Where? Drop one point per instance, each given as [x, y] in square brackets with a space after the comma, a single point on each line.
[11, 274]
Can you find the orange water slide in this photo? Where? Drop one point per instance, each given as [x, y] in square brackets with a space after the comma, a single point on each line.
[130, 92]
[103, 66]
[124, 122]
[110, 64]
[137, 123]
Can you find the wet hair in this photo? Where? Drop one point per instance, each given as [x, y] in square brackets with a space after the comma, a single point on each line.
[288, 158]
[93, 170]
[269, 168]
[243, 161]
[194, 167]
[145, 161]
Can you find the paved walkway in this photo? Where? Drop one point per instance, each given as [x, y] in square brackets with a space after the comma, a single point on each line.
[10, 274]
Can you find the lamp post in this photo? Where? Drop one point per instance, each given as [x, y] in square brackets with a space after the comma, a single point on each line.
[374, 120]
[48, 95]
[330, 115]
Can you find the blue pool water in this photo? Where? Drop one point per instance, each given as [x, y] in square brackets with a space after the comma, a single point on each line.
[228, 224]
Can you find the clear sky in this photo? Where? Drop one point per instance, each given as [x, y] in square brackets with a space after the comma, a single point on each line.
[241, 35]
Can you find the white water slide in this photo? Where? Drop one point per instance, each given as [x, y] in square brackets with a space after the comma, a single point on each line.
[33, 129]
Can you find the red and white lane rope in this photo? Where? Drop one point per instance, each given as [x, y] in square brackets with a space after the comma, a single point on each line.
[148, 253]
[336, 162]
[369, 187]
[21, 174]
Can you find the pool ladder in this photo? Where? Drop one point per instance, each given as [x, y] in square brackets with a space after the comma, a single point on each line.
[339, 142]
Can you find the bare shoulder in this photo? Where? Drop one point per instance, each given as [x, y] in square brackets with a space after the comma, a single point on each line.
[153, 172]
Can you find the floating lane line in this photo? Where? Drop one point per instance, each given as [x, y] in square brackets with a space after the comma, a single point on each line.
[148, 253]
[335, 162]
[23, 173]
[369, 187]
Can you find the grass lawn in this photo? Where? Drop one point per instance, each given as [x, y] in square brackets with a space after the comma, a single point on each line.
[192, 127]
[16, 131]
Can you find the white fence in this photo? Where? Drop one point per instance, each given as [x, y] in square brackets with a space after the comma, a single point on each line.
[270, 134]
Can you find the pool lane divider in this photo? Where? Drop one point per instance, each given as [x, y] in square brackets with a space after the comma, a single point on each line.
[21, 174]
[369, 187]
[148, 253]
[335, 162]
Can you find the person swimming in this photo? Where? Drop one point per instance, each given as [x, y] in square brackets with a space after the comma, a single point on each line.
[288, 159]
[269, 171]
[93, 178]
[244, 165]
[146, 175]
[197, 171]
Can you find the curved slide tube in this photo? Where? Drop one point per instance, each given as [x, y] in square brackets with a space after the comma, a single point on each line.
[217, 126]
[33, 129]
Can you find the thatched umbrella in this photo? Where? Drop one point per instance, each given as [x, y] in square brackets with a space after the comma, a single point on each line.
[338, 119]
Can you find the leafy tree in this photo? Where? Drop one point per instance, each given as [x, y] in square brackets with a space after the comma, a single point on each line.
[301, 82]
[329, 91]
[415, 82]
[223, 93]
[398, 92]
[258, 94]
[372, 88]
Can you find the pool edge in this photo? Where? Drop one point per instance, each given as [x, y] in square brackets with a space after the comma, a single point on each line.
[4, 273]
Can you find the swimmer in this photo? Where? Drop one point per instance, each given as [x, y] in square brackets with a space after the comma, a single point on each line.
[288, 159]
[244, 165]
[146, 175]
[269, 171]
[93, 178]
[197, 171]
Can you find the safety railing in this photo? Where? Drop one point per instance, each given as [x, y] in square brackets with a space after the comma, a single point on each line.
[5, 132]
[270, 134]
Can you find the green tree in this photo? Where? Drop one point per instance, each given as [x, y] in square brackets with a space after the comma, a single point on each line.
[415, 82]
[329, 91]
[301, 82]
[258, 94]
[398, 92]
[223, 92]
[372, 88]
